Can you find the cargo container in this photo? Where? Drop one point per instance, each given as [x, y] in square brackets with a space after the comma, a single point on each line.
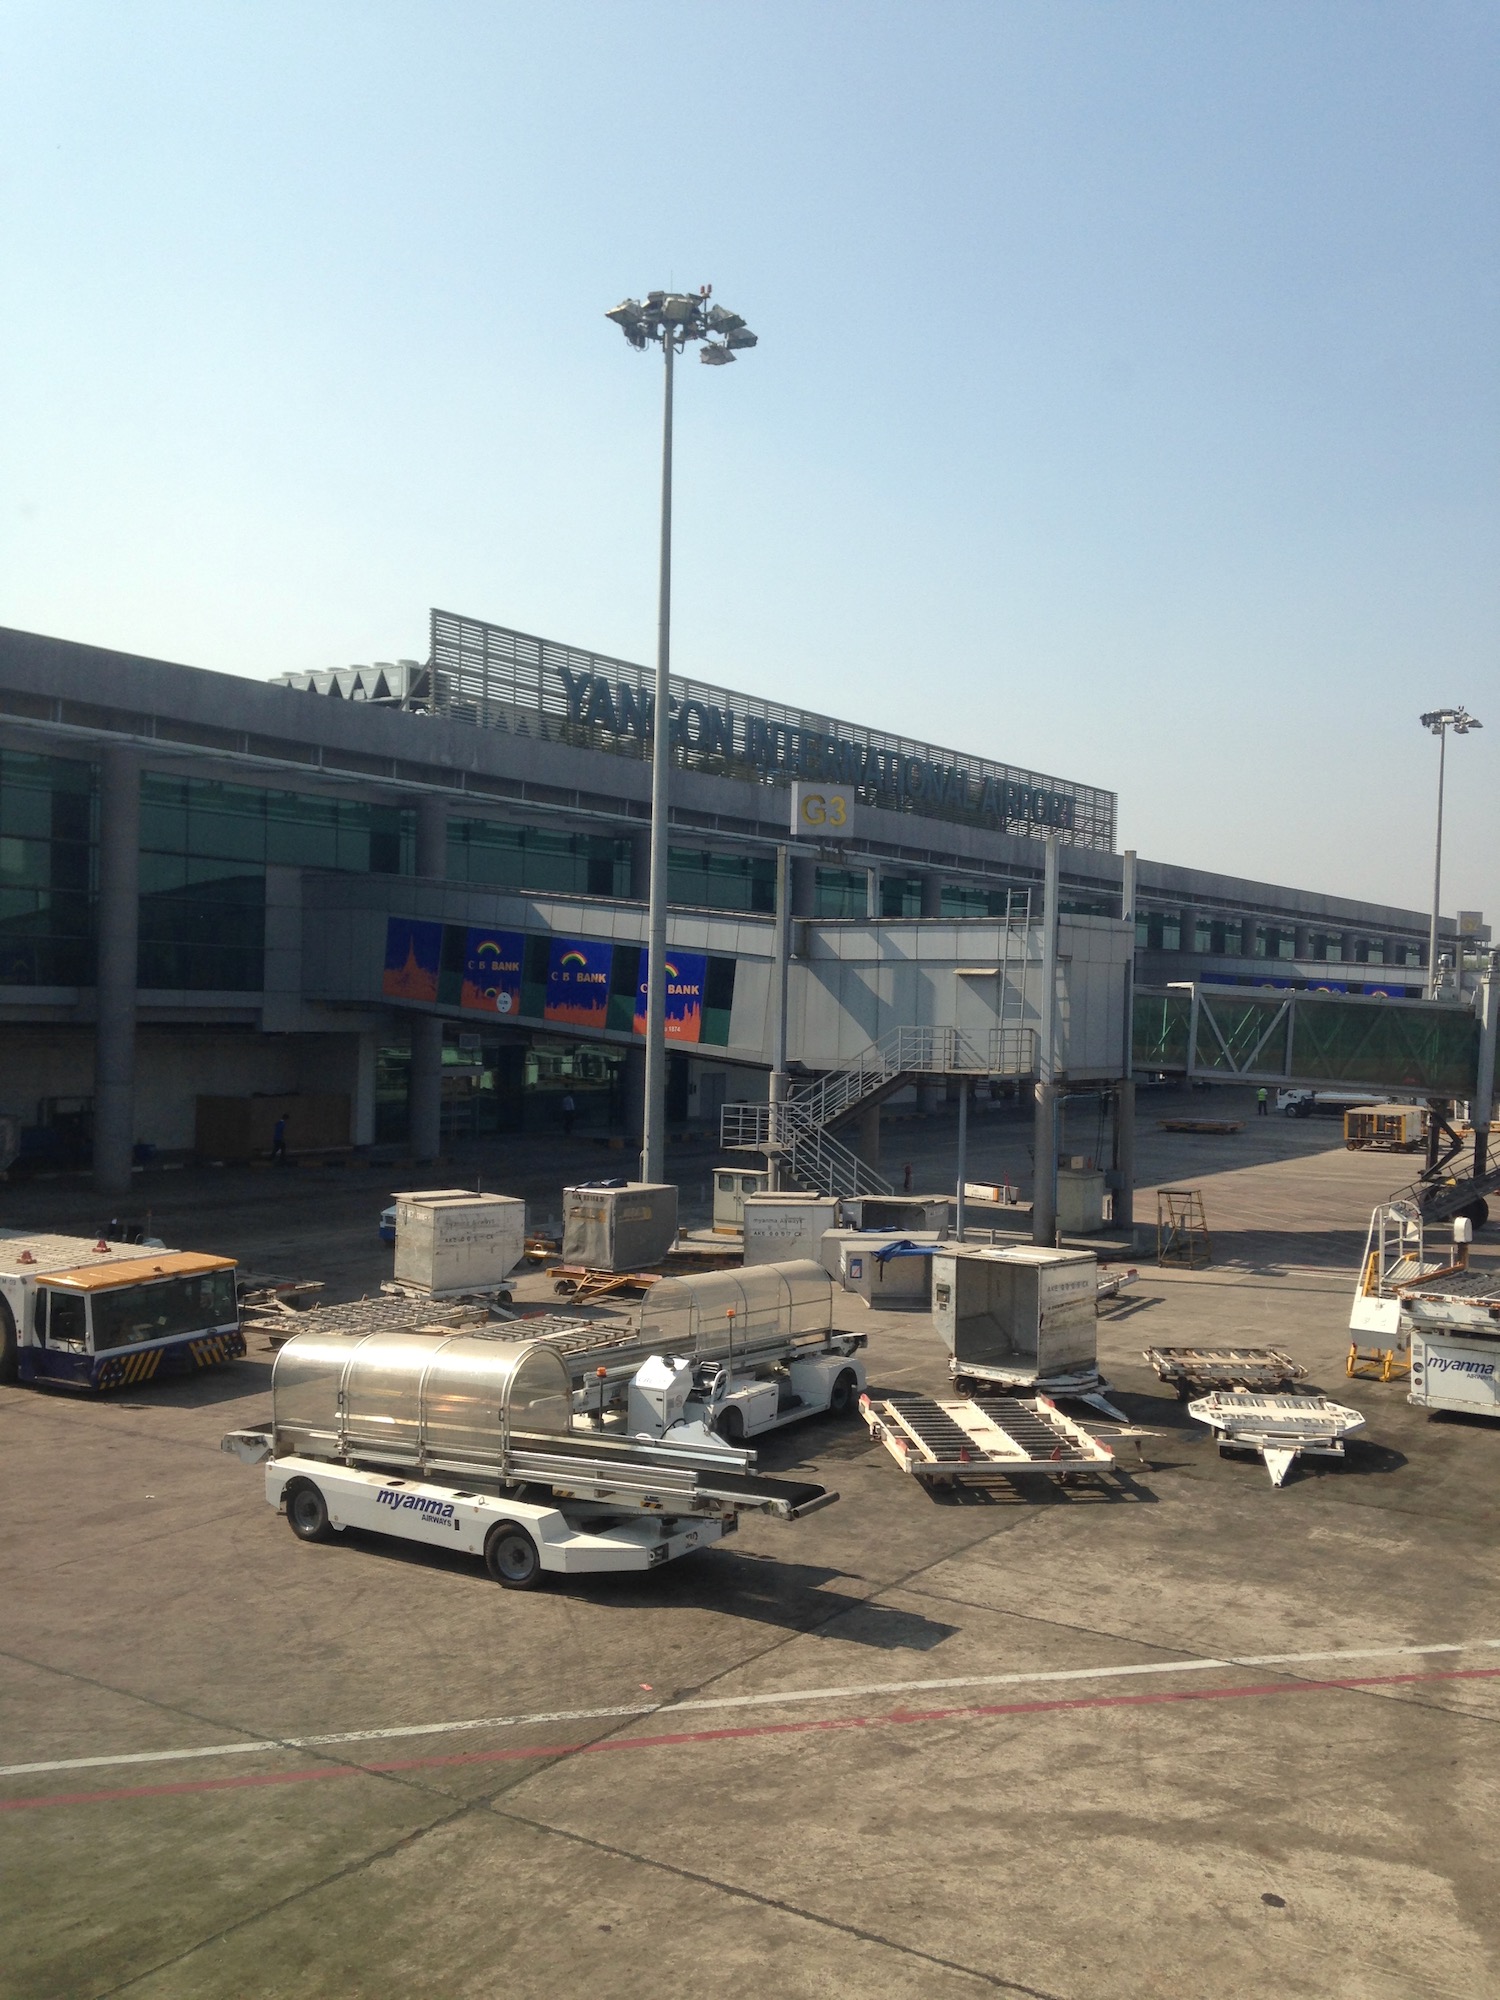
[453, 1240]
[1020, 1318]
[618, 1225]
[779, 1227]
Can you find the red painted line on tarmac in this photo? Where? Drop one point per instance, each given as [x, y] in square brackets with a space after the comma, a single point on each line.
[896, 1718]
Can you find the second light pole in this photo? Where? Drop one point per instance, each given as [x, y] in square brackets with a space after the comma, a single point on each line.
[1440, 721]
[670, 320]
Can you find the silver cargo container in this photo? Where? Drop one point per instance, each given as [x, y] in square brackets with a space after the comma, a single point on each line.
[410, 1399]
[1018, 1316]
[619, 1228]
[902, 1214]
[453, 1240]
[782, 1226]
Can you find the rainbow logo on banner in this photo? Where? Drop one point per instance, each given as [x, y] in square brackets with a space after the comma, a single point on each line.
[413, 954]
[687, 972]
[492, 972]
[578, 982]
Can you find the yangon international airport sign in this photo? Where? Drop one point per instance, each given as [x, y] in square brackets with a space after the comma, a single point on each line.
[501, 678]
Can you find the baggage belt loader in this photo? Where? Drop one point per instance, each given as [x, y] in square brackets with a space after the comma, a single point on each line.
[470, 1442]
[728, 1353]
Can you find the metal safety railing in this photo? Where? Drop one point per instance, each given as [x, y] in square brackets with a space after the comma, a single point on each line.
[797, 1128]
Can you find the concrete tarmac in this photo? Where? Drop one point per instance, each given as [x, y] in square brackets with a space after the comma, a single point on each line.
[1186, 1736]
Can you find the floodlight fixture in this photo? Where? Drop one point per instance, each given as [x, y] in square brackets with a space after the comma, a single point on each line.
[1458, 720]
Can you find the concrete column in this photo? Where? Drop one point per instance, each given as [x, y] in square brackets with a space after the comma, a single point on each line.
[1187, 929]
[119, 929]
[362, 1109]
[432, 836]
[1124, 1161]
[1124, 1134]
[872, 894]
[869, 1135]
[1044, 1130]
[932, 895]
[804, 885]
[1302, 942]
[426, 1098]
[634, 1088]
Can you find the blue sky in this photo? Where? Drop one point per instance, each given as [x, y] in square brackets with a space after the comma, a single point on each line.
[1126, 407]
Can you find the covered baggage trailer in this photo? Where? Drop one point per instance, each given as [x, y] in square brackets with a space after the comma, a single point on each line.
[470, 1443]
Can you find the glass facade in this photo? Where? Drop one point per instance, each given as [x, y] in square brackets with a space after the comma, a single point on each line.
[204, 852]
[969, 902]
[1220, 936]
[721, 881]
[528, 857]
[901, 895]
[1158, 930]
[841, 892]
[47, 821]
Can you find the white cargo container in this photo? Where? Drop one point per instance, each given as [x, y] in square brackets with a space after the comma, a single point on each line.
[453, 1240]
[620, 1225]
[1020, 1318]
[875, 1270]
[834, 1242]
[1080, 1201]
[784, 1227]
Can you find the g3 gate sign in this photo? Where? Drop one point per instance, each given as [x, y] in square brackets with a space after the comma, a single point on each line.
[821, 813]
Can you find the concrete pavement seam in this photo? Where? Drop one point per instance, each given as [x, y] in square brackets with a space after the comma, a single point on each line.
[777, 1903]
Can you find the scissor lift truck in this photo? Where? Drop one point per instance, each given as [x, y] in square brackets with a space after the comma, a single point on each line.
[86, 1313]
[469, 1442]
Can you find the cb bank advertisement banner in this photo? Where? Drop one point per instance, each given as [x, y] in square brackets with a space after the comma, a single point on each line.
[413, 957]
[686, 973]
[492, 971]
[578, 982]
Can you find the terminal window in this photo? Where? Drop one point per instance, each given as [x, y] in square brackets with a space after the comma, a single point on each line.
[1158, 930]
[1274, 941]
[530, 857]
[47, 864]
[962, 901]
[721, 881]
[1220, 936]
[205, 848]
[841, 892]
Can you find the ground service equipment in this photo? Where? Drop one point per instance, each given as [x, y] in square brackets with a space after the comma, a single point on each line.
[983, 1439]
[754, 1349]
[453, 1240]
[1453, 1318]
[469, 1443]
[91, 1314]
[1021, 1319]
[618, 1225]
[1280, 1428]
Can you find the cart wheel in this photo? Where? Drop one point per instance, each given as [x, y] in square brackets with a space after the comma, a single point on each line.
[1184, 1391]
[510, 1557]
[841, 1401]
[307, 1512]
[731, 1426]
[565, 1287]
[9, 1361]
[1478, 1212]
[963, 1385]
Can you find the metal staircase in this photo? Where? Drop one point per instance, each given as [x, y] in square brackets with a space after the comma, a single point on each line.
[799, 1130]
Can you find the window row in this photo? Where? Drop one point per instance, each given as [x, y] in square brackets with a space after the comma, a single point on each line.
[199, 819]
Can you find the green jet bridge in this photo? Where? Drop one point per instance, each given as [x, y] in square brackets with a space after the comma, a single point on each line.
[1317, 1041]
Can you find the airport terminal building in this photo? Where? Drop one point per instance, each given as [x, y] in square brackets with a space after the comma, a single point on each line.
[416, 890]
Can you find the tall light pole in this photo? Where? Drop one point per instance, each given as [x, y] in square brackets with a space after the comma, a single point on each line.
[671, 320]
[1440, 721]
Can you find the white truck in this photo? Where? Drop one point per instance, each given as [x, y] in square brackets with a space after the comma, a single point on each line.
[469, 1441]
[86, 1313]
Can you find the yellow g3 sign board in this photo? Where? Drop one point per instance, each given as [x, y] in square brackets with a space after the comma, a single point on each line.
[822, 811]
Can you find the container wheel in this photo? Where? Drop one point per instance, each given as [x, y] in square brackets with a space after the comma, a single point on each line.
[841, 1401]
[9, 1363]
[510, 1556]
[1478, 1212]
[307, 1512]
